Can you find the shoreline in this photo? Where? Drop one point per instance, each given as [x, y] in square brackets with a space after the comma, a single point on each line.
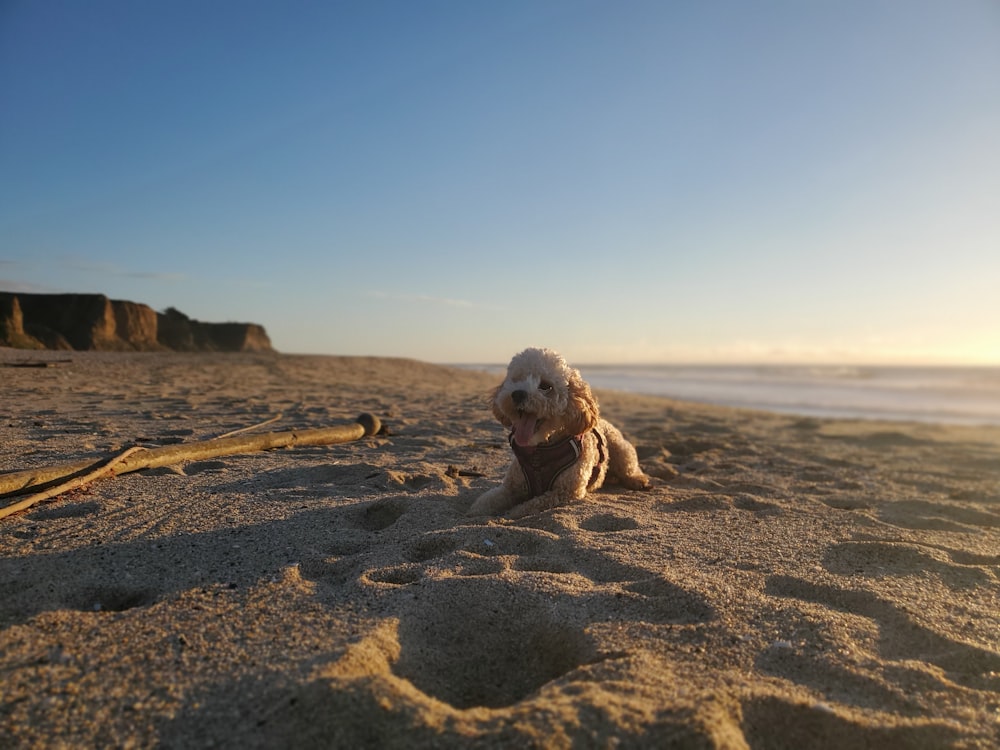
[787, 580]
[968, 395]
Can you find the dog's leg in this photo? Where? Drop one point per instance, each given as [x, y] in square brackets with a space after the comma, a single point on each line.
[495, 501]
[492, 502]
[554, 498]
[623, 462]
[535, 505]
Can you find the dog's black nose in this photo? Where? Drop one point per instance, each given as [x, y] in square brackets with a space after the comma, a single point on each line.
[519, 397]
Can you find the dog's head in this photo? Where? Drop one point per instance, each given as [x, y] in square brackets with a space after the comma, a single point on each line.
[543, 399]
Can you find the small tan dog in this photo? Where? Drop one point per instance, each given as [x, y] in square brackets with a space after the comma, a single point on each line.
[562, 446]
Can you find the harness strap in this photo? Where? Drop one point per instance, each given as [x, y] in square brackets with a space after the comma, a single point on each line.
[542, 464]
[602, 457]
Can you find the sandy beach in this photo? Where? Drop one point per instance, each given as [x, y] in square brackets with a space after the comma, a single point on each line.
[787, 582]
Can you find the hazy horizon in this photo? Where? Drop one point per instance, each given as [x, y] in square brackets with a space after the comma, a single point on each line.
[778, 365]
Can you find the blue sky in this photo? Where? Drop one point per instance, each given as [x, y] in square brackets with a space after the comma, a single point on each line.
[796, 181]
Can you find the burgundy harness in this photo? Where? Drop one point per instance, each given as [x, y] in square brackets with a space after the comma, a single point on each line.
[542, 464]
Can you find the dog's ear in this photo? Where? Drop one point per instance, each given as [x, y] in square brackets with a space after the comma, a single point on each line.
[584, 411]
[501, 417]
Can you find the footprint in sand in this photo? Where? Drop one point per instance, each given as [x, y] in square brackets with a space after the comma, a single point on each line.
[755, 505]
[713, 501]
[511, 639]
[878, 559]
[432, 545]
[394, 575]
[840, 684]
[508, 642]
[936, 516]
[901, 637]
[528, 600]
[609, 522]
[777, 721]
[111, 598]
[381, 514]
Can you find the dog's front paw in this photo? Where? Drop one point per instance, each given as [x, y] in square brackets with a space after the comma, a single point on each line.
[490, 503]
[637, 482]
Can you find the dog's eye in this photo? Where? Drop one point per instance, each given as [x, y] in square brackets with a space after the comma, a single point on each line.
[545, 386]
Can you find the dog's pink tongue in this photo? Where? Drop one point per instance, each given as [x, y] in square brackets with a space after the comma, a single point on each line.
[524, 429]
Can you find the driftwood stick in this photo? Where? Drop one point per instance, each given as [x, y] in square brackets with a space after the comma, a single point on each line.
[20, 482]
[72, 484]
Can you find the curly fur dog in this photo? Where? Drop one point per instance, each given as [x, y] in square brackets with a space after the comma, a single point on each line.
[562, 446]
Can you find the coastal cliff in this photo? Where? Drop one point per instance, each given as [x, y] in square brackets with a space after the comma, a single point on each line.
[95, 322]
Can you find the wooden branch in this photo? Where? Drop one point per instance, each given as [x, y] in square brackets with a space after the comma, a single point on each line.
[72, 484]
[37, 363]
[17, 483]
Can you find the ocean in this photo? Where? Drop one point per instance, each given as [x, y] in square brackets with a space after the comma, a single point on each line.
[945, 395]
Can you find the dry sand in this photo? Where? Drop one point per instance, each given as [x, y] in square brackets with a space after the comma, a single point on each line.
[787, 582]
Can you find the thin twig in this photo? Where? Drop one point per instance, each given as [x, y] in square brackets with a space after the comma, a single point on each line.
[272, 420]
[72, 484]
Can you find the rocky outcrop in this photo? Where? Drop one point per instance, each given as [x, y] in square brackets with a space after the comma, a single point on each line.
[92, 321]
[136, 324]
[179, 332]
[12, 325]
